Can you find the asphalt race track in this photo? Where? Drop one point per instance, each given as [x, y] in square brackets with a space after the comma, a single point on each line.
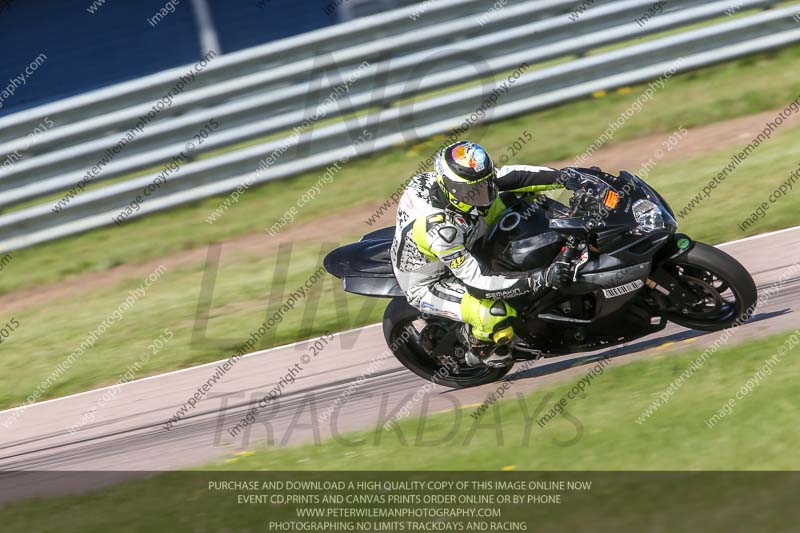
[128, 433]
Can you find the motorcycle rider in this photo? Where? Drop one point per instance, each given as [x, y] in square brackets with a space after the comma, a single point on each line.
[440, 216]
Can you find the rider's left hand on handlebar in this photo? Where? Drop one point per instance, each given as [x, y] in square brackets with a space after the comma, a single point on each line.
[573, 179]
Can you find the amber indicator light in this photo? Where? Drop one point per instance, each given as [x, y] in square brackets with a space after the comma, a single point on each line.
[611, 199]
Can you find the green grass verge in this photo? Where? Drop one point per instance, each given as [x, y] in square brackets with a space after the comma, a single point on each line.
[599, 434]
[733, 89]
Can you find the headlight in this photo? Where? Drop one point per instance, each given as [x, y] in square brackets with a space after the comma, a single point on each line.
[648, 216]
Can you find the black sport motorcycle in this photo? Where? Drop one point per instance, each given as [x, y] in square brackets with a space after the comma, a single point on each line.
[632, 274]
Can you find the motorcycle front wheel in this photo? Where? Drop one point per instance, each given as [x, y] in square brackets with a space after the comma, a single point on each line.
[719, 291]
[410, 337]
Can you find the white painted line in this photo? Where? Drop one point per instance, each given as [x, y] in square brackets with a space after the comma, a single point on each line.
[262, 352]
[759, 236]
[180, 371]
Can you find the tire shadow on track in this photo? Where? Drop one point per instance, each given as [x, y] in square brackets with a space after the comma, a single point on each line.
[547, 368]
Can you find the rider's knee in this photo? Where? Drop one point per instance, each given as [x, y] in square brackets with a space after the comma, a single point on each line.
[490, 319]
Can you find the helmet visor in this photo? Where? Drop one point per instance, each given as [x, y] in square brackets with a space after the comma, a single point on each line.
[477, 194]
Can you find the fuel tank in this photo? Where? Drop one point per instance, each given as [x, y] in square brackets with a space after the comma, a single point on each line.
[522, 240]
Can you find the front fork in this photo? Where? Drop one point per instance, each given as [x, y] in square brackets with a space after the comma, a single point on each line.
[672, 294]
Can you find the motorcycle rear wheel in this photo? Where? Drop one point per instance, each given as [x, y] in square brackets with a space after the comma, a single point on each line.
[403, 327]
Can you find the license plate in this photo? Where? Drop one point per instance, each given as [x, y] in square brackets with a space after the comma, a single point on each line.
[623, 289]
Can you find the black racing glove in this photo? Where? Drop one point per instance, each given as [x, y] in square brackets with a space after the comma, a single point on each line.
[573, 179]
[555, 276]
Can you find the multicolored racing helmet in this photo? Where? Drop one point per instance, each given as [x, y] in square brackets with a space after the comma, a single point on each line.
[465, 173]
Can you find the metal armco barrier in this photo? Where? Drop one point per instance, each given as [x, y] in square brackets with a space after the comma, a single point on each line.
[272, 110]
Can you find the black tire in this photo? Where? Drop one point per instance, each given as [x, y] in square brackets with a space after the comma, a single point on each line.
[730, 275]
[398, 317]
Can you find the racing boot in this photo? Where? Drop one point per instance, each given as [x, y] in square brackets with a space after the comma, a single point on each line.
[483, 352]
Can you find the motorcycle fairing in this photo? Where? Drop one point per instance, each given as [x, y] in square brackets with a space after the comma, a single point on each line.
[365, 267]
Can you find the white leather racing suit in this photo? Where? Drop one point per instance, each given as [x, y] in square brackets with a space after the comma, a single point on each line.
[431, 251]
